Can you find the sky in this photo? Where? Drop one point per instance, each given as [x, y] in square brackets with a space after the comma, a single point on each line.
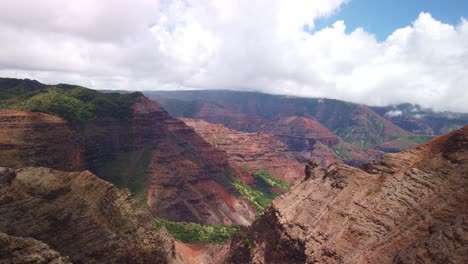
[381, 18]
[364, 51]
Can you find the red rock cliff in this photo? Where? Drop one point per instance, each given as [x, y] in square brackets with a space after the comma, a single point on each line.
[408, 207]
[179, 174]
[38, 139]
[250, 152]
[311, 140]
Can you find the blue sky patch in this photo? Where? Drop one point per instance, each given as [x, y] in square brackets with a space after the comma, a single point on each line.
[381, 18]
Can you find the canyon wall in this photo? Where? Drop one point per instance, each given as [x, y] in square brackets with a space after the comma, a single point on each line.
[250, 152]
[408, 207]
[38, 139]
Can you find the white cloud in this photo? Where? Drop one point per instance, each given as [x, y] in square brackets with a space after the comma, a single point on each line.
[246, 45]
[394, 113]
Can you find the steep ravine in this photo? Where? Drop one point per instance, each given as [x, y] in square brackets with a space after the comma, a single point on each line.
[408, 207]
[166, 165]
[125, 139]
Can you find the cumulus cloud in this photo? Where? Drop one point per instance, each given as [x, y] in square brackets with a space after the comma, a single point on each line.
[244, 45]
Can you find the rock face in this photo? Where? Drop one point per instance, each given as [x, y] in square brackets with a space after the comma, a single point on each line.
[37, 139]
[79, 216]
[21, 250]
[250, 152]
[408, 207]
[367, 134]
[304, 136]
[311, 140]
[163, 162]
[167, 165]
[230, 116]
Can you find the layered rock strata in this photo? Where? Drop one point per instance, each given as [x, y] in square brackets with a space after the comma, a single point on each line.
[26, 250]
[408, 207]
[250, 152]
[309, 139]
[180, 176]
[78, 215]
[38, 139]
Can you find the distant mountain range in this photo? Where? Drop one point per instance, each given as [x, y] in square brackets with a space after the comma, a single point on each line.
[419, 120]
[325, 129]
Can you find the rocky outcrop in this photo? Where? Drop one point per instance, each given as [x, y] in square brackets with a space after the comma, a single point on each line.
[77, 215]
[305, 137]
[38, 139]
[222, 113]
[22, 250]
[201, 253]
[311, 140]
[188, 179]
[404, 208]
[167, 165]
[250, 152]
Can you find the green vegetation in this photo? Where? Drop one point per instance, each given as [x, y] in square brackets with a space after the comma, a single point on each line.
[58, 104]
[258, 199]
[73, 103]
[344, 154]
[260, 195]
[416, 139]
[272, 182]
[195, 233]
[128, 170]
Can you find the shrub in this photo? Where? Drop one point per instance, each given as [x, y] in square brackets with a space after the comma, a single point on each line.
[273, 182]
[83, 94]
[58, 104]
[195, 233]
[262, 193]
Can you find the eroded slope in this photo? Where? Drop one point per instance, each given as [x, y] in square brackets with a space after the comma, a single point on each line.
[79, 216]
[38, 139]
[22, 250]
[250, 152]
[405, 207]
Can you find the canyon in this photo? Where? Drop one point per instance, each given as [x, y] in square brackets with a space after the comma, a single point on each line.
[360, 134]
[166, 165]
[408, 207]
[85, 176]
[163, 162]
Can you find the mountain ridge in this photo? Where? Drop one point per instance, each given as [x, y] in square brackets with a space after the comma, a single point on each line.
[356, 124]
[403, 208]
